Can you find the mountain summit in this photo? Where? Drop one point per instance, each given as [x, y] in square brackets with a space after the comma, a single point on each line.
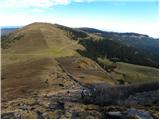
[40, 37]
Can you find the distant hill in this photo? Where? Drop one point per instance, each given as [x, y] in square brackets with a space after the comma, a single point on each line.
[7, 30]
[139, 41]
[142, 44]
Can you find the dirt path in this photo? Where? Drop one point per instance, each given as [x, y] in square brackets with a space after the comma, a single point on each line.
[70, 75]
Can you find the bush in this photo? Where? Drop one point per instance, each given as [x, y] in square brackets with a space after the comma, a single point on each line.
[106, 95]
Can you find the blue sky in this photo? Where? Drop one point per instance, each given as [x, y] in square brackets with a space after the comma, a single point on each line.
[139, 16]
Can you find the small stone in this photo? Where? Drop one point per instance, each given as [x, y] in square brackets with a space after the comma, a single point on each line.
[61, 85]
[17, 115]
[54, 106]
[24, 107]
[114, 114]
[68, 92]
[39, 115]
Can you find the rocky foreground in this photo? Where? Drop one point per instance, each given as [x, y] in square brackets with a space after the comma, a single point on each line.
[68, 104]
[61, 98]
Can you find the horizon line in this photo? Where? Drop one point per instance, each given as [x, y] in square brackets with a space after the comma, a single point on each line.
[104, 30]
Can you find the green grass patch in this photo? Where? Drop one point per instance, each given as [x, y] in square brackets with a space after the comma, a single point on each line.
[134, 73]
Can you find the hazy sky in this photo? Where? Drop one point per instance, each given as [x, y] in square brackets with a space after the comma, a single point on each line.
[139, 16]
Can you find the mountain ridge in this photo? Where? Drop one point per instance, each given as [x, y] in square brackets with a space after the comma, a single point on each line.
[76, 41]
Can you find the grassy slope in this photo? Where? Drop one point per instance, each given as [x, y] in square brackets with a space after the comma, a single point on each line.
[27, 63]
[130, 73]
[136, 73]
[25, 76]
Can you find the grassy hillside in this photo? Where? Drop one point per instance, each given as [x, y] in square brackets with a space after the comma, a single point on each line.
[135, 73]
[125, 73]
